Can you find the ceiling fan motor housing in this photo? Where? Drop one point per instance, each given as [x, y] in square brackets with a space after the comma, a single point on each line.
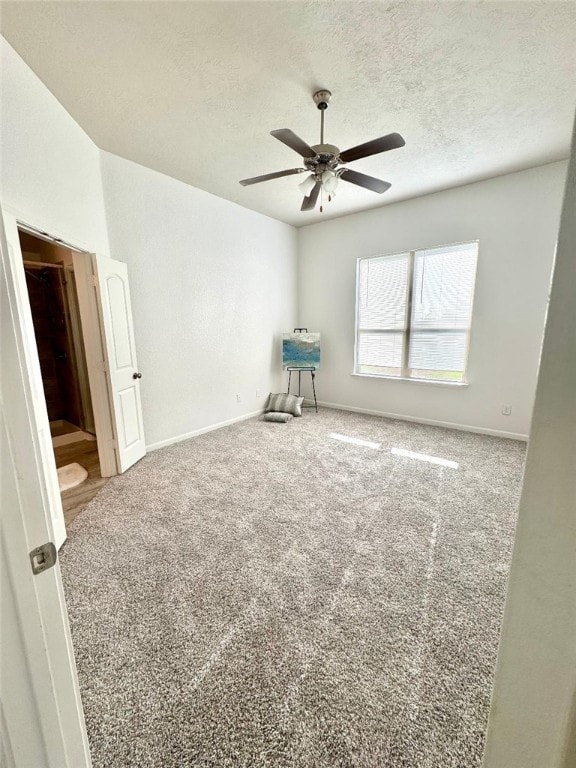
[327, 158]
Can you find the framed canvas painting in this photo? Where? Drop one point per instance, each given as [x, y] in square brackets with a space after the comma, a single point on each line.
[301, 350]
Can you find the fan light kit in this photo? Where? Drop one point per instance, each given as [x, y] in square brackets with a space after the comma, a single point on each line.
[326, 163]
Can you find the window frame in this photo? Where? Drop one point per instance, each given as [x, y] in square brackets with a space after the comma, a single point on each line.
[406, 334]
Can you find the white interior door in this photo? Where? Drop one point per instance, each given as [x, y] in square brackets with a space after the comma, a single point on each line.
[41, 719]
[121, 366]
[42, 450]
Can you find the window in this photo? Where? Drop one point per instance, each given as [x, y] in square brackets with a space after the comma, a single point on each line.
[413, 313]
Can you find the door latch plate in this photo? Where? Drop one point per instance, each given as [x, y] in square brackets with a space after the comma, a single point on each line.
[43, 557]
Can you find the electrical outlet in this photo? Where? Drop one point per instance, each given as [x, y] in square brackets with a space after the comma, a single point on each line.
[506, 410]
[258, 393]
[238, 398]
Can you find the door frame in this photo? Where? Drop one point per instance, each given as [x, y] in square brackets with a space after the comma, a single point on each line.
[93, 337]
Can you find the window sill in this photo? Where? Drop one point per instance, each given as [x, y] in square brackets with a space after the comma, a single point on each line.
[412, 381]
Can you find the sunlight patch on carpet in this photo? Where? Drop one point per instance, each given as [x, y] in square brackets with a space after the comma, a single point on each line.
[355, 441]
[425, 457]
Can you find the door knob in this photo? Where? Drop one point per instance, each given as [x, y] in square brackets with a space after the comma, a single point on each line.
[136, 375]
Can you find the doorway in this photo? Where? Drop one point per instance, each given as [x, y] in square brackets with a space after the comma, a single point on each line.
[107, 331]
[53, 296]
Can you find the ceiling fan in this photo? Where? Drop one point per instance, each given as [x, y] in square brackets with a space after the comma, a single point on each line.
[325, 161]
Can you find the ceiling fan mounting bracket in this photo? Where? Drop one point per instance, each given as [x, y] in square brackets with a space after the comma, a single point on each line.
[321, 98]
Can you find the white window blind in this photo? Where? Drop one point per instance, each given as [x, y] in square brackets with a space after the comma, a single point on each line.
[382, 320]
[414, 313]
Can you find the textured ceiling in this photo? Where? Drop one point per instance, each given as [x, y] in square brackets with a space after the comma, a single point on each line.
[192, 89]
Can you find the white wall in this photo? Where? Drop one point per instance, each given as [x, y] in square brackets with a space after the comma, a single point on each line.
[515, 218]
[213, 286]
[50, 169]
[533, 715]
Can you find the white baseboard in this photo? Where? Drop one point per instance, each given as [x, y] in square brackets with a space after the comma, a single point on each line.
[339, 407]
[431, 422]
[202, 430]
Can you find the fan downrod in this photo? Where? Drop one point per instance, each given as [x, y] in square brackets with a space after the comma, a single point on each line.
[321, 99]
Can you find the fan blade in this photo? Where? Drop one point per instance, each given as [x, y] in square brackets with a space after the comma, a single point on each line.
[288, 137]
[383, 144]
[267, 176]
[368, 182]
[309, 203]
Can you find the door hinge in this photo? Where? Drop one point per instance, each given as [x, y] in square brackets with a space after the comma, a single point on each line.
[93, 280]
[43, 557]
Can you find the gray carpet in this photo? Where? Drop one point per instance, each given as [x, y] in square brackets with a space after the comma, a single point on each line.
[266, 595]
